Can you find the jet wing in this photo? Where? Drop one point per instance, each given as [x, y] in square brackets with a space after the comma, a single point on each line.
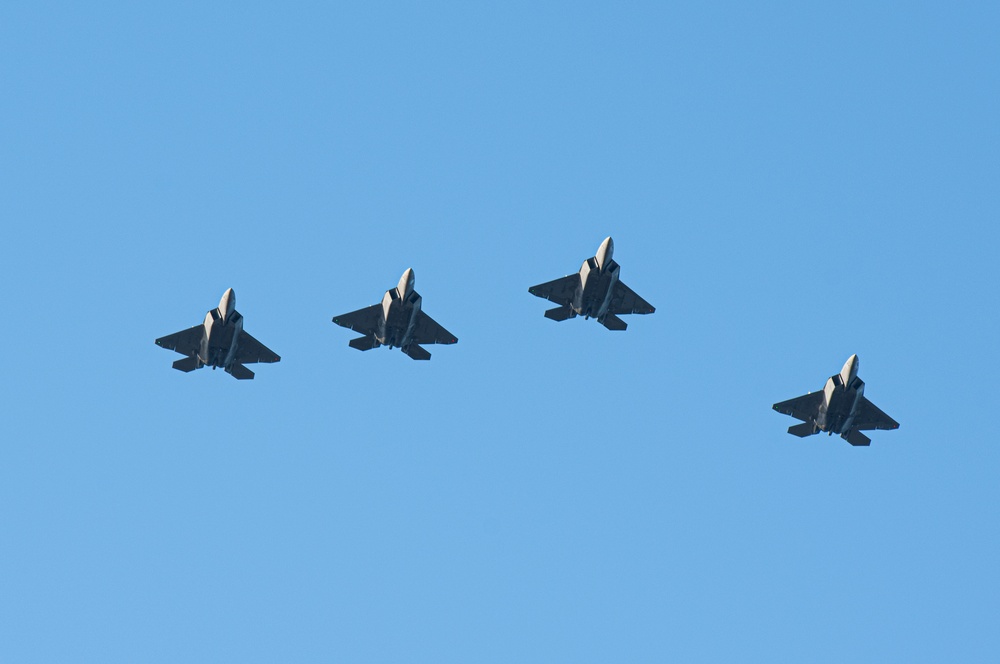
[364, 320]
[186, 342]
[428, 331]
[868, 416]
[560, 291]
[250, 350]
[625, 301]
[804, 408]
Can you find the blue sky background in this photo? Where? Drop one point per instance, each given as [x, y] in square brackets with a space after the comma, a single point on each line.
[788, 184]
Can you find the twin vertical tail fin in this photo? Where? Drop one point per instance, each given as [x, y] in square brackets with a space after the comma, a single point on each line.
[417, 352]
[612, 322]
[239, 372]
[803, 430]
[560, 313]
[363, 343]
[187, 364]
[856, 438]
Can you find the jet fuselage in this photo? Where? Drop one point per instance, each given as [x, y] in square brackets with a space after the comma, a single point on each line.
[400, 307]
[841, 408]
[598, 276]
[397, 321]
[220, 341]
[841, 396]
[222, 331]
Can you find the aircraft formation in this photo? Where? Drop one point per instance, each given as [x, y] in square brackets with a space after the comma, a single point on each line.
[596, 291]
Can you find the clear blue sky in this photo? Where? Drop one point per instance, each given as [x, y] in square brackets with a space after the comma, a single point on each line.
[787, 184]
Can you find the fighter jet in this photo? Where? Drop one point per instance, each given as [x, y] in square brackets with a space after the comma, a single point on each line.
[593, 292]
[219, 342]
[840, 408]
[397, 321]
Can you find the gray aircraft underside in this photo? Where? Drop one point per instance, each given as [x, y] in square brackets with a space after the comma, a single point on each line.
[594, 292]
[840, 407]
[397, 322]
[220, 341]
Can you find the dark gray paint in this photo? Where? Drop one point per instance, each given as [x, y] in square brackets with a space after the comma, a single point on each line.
[841, 407]
[397, 321]
[220, 341]
[596, 291]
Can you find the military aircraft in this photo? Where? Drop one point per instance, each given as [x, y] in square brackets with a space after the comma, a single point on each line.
[841, 407]
[219, 342]
[397, 321]
[593, 292]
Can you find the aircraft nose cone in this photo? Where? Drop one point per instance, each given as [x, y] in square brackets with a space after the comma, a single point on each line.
[850, 369]
[406, 283]
[605, 252]
[228, 303]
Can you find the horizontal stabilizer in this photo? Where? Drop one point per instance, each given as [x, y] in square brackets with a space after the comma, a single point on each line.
[856, 438]
[613, 322]
[803, 430]
[240, 372]
[363, 343]
[416, 352]
[560, 313]
[187, 364]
